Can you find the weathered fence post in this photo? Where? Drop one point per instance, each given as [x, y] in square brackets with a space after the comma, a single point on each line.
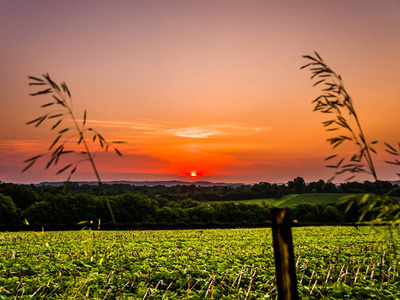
[285, 268]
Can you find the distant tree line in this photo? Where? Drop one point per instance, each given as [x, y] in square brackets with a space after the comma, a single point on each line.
[260, 190]
[50, 206]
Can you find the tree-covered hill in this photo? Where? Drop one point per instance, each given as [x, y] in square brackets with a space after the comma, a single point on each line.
[213, 206]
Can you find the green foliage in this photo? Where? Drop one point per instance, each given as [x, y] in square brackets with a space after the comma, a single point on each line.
[22, 196]
[307, 212]
[332, 262]
[263, 201]
[135, 208]
[331, 214]
[39, 212]
[8, 210]
[312, 198]
[379, 209]
[297, 185]
[50, 207]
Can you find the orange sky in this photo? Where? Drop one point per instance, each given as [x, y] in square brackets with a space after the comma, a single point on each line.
[206, 86]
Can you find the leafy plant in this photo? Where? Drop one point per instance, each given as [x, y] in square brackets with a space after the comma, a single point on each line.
[332, 262]
[66, 136]
[335, 100]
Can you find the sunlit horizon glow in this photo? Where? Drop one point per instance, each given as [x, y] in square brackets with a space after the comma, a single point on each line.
[211, 87]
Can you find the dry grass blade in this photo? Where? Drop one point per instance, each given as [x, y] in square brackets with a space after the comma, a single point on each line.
[59, 101]
[46, 91]
[56, 124]
[28, 166]
[55, 116]
[41, 120]
[33, 158]
[55, 141]
[33, 121]
[65, 89]
[63, 130]
[63, 169]
[35, 78]
[52, 83]
[118, 152]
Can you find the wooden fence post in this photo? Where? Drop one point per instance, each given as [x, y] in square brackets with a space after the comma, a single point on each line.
[285, 268]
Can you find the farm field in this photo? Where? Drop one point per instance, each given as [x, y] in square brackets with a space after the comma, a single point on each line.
[267, 201]
[309, 198]
[294, 199]
[333, 262]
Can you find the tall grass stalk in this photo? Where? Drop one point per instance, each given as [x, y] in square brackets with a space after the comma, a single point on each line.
[334, 99]
[61, 101]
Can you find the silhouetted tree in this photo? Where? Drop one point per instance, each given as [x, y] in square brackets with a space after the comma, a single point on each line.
[298, 185]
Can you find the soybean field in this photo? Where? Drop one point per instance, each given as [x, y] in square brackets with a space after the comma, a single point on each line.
[331, 262]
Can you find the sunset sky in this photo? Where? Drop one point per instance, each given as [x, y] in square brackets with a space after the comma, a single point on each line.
[211, 87]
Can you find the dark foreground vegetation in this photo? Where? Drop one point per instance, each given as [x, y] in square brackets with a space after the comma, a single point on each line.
[152, 207]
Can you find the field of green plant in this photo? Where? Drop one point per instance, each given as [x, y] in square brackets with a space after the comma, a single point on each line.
[332, 262]
[309, 198]
[266, 201]
[294, 199]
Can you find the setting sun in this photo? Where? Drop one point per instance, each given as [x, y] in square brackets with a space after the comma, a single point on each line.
[193, 174]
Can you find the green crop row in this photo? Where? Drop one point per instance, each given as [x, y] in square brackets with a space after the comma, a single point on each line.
[332, 262]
